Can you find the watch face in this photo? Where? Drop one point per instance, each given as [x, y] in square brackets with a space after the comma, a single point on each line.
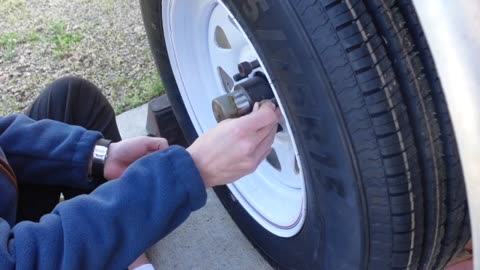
[100, 152]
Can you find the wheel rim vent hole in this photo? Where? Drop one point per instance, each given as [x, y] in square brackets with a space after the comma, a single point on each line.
[273, 160]
[221, 38]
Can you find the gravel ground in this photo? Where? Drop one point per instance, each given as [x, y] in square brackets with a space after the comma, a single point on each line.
[101, 40]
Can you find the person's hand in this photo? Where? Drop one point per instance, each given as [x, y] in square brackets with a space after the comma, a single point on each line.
[235, 148]
[124, 153]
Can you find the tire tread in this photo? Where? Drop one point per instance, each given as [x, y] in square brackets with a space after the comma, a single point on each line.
[367, 91]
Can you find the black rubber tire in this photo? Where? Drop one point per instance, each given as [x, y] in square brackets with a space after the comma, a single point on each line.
[398, 24]
[417, 94]
[457, 225]
[375, 137]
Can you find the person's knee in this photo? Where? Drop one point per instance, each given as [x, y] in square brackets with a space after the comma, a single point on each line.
[67, 94]
[69, 79]
[73, 87]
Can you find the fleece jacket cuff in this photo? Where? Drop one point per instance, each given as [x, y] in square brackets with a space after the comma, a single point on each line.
[188, 175]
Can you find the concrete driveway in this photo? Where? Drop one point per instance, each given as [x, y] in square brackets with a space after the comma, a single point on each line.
[208, 239]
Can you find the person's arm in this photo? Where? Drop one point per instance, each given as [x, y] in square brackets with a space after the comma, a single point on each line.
[113, 225]
[47, 152]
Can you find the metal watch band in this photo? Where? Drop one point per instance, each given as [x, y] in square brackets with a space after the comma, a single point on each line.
[100, 155]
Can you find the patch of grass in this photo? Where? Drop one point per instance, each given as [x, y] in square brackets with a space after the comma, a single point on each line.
[11, 11]
[8, 42]
[9, 5]
[8, 105]
[32, 37]
[96, 1]
[152, 84]
[8, 39]
[140, 92]
[62, 39]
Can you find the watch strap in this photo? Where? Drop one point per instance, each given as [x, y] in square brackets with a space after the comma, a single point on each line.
[100, 155]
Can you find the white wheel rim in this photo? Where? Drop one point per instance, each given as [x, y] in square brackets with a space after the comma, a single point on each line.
[195, 34]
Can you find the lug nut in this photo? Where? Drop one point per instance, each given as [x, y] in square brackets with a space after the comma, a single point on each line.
[241, 100]
[245, 69]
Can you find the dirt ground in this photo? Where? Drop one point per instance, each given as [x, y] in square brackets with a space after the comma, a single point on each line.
[100, 40]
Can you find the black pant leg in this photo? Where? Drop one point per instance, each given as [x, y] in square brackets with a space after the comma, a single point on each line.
[34, 201]
[76, 102]
[73, 101]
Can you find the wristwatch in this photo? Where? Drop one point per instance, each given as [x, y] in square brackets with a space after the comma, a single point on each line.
[100, 155]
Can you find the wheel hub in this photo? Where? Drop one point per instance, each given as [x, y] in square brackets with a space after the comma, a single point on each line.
[241, 100]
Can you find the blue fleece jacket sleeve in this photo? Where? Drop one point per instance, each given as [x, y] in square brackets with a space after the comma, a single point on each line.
[47, 152]
[113, 225]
